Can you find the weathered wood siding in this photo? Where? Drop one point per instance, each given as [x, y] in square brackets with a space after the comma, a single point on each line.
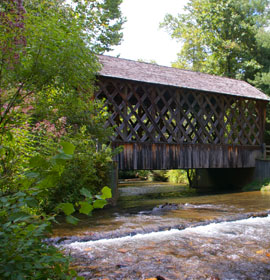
[175, 156]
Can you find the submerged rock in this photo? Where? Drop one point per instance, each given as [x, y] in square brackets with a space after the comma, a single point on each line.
[166, 207]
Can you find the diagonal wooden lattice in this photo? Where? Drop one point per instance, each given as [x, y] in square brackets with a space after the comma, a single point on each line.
[158, 114]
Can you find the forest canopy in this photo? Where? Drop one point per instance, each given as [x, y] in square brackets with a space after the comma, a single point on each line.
[227, 38]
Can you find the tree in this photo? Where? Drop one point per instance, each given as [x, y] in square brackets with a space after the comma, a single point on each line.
[48, 52]
[50, 44]
[219, 37]
[47, 65]
[262, 76]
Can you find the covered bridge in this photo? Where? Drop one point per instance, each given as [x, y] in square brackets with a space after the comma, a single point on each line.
[168, 118]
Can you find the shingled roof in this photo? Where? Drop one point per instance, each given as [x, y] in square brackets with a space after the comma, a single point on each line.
[151, 73]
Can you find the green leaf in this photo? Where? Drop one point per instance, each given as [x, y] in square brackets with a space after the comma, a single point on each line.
[80, 278]
[67, 208]
[62, 156]
[38, 161]
[31, 202]
[86, 207]
[68, 148]
[99, 203]
[72, 272]
[72, 220]
[19, 217]
[86, 193]
[106, 193]
[32, 174]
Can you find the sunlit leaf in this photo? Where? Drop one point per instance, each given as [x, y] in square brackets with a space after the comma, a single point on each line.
[86, 208]
[106, 193]
[99, 203]
[68, 148]
[67, 208]
[62, 156]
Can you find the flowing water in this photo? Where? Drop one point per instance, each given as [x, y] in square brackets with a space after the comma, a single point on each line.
[222, 236]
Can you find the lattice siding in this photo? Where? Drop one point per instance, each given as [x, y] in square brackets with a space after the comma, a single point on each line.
[161, 114]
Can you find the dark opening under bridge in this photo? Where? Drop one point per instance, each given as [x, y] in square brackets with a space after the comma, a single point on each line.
[167, 118]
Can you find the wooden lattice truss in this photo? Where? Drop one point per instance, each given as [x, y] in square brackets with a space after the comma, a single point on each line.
[142, 112]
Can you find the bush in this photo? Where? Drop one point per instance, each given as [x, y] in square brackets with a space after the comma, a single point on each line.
[23, 224]
[157, 175]
[89, 169]
[127, 174]
[23, 254]
[257, 185]
[177, 176]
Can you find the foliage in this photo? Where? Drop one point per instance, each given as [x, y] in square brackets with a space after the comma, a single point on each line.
[262, 77]
[101, 21]
[258, 185]
[89, 168]
[15, 150]
[23, 224]
[177, 176]
[46, 174]
[157, 175]
[173, 176]
[48, 46]
[87, 205]
[129, 174]
[219, 37]
[47, 72]
[23, 254]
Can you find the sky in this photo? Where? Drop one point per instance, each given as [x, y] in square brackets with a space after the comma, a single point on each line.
[142, 37]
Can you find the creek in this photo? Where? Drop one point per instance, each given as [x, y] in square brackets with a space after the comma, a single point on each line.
[222, 236]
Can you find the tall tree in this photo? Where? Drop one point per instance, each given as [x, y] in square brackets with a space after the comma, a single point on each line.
[48, 62]
[49, 44]
[219, 36]
[262, 76]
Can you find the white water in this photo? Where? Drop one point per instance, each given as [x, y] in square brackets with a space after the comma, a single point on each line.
[252, 228]
[227, 250]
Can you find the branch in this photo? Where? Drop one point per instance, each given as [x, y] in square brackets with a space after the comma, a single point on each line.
[11, 103]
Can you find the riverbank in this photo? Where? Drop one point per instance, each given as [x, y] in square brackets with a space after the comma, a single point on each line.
[130, 190]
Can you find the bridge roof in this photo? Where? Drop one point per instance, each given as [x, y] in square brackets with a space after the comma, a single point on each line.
[152, 73]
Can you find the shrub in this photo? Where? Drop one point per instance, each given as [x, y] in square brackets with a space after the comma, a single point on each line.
[23, 224]
[257, 185]
[157, 175]
[89, 169]
[23, 254]
[177, 176]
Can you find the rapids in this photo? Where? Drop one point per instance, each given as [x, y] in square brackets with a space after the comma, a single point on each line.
[222, 237]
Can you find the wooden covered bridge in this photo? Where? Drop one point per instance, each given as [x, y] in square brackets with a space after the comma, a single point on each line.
[167, 118]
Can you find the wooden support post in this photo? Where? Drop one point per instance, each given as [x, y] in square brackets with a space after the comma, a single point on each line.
[114, 182]
[264, 150]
